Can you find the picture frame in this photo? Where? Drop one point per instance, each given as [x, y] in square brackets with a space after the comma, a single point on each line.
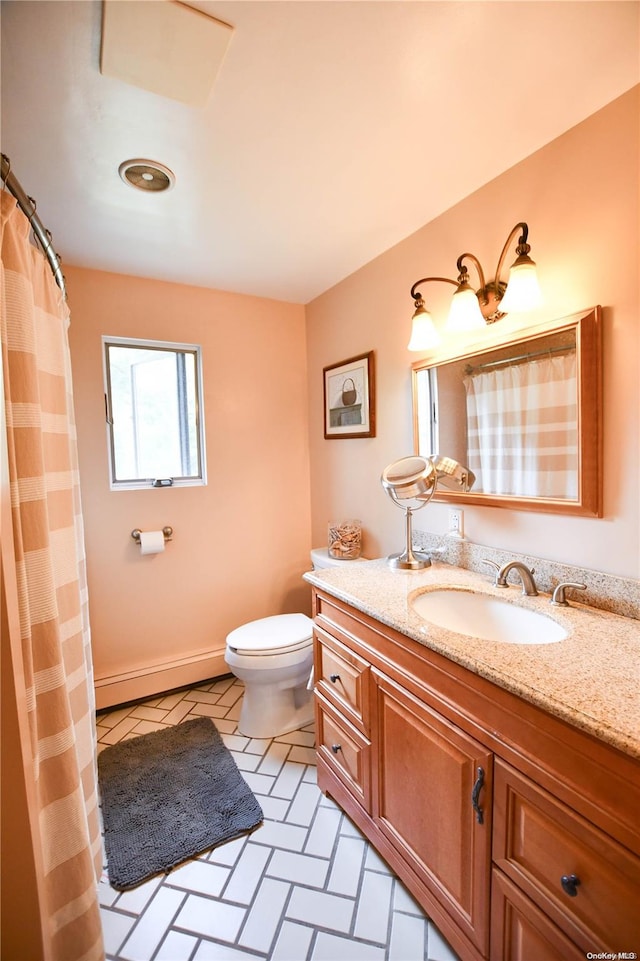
[349, 398]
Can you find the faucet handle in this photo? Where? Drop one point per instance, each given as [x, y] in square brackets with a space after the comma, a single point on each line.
[487, 560]
[559, 598]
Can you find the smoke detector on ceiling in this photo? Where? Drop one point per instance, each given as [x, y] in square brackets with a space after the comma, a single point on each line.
[147, 175]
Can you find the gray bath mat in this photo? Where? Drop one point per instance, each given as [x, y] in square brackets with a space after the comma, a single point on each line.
[167, 796]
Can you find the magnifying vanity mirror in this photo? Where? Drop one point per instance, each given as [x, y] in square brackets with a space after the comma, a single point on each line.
[524, 414]
[411, 482]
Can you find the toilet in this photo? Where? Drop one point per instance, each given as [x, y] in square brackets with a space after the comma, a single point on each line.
[273, 656]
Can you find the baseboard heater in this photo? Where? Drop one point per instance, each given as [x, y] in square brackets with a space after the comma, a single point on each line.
[147, 680]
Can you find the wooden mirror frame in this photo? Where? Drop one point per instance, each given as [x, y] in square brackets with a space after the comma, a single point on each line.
[588, 335]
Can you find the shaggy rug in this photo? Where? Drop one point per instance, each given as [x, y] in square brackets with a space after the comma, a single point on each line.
[167, 796]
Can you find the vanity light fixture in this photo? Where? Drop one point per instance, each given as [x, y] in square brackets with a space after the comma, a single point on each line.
[474, 309]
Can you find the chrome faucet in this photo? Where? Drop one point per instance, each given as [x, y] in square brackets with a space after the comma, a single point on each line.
[526, 576]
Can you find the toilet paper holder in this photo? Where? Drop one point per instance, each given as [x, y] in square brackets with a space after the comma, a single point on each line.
[167, 531]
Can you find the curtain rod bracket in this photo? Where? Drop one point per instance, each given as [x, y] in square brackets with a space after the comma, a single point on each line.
[28, 207]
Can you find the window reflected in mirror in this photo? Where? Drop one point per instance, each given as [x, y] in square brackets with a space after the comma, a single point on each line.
[523, 416]
[153, 399]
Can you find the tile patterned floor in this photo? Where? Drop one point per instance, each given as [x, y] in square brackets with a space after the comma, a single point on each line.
[305, 886]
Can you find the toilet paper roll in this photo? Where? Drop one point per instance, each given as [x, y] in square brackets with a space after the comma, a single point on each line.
[151, 542]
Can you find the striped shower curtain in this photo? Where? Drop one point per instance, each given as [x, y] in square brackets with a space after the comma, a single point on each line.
[522, 424]
[52, 593]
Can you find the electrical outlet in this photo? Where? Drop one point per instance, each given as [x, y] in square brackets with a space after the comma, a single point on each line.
[456, 523]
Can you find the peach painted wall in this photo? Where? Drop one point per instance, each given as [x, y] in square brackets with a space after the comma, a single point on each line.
[579, 195]
[242, 542]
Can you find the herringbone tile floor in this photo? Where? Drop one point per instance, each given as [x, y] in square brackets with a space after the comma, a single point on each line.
[305, 886]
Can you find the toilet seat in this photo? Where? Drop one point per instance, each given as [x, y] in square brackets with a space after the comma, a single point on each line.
[280, 634]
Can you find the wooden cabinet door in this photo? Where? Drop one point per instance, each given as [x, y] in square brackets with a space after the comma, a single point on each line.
[521, 932]
[432, 800]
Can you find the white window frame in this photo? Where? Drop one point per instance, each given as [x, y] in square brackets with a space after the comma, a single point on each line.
[196, 480]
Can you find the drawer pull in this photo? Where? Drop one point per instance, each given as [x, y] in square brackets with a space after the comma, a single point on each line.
[334, 677]
[570, 884]
[475, 794]
[336, 747]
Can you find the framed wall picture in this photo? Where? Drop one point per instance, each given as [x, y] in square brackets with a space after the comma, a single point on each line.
[349, 398]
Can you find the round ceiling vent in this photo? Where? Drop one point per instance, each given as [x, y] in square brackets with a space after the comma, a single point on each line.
[147, 175]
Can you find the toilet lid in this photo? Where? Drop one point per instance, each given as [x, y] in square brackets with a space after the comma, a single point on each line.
[280, 634]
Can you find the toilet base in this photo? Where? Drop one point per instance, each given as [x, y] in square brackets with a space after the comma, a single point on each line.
[268, 712]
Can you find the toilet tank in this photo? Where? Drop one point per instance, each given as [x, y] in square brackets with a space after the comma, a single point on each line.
[320, 558]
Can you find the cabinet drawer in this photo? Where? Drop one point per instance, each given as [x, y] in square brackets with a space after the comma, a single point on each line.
[343, 678]
[343, 749]
[538, 841]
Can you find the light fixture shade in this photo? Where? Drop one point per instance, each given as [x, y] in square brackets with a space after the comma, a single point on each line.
[424, 335]
[523, 290]
[465, 313]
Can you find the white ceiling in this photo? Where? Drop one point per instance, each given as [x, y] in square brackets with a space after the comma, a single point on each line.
[335, 129]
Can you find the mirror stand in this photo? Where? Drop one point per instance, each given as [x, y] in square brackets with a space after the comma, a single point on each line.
[409, 560]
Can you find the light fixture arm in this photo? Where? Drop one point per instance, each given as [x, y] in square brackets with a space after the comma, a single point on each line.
[417, 296]
[522, 248]
[463, 273]
[494, 288]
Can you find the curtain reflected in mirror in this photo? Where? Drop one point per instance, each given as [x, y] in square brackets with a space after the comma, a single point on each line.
[524, 417]
[522, 425]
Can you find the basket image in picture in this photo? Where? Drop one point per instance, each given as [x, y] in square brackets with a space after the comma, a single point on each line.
[349, 394]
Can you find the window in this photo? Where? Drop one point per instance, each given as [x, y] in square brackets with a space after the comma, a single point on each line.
[153, 401]
[425, 394]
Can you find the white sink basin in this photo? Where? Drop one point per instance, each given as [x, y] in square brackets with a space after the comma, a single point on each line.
[486, 617]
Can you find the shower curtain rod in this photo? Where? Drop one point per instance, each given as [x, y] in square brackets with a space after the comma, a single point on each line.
[43, 236]
[507, 361]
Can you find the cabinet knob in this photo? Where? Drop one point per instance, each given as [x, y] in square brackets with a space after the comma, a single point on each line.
[334, 677]
[336, 747]
[570, 884]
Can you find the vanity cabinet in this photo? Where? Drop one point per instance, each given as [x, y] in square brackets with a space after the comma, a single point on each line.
[516, 832]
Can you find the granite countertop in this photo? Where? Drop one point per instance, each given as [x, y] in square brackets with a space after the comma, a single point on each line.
[591, 679]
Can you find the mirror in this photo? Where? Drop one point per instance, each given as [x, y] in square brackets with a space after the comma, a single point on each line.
[523, 414]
